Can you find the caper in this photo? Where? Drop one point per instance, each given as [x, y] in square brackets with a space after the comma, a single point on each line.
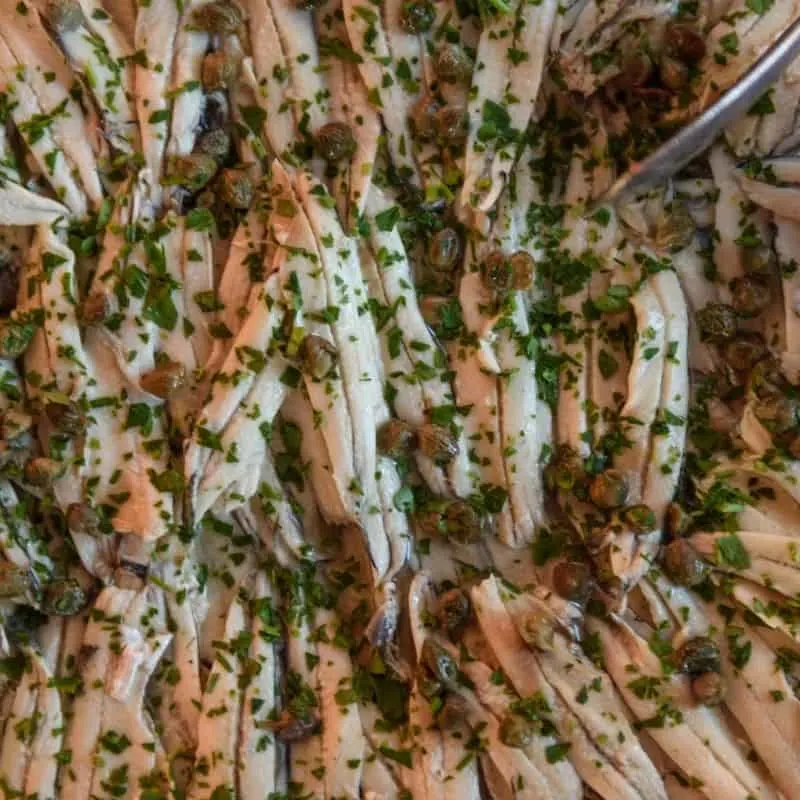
[676, 520]
[219, 70]
[717, 322]
[439, 663]
[759, 261]
[318, 356]
[639, 518]
[564, 470]
[685, 42]
[749, 296]
[423, 118]
[637, 67]
[217, 110]
[417, 16]
[675, 228]
[41, 471]
[674, 74]
[65, 15]
[430, 521]
[464, 524]
[496, 271]
[66, 417]
[522, 269]
[765, 378]
[335, 142]
[573, 581]
[452, 64]
[16, 335]
[165, 379]
[193, 171]
[700, 655]
[609, 489]
[454, 611]
[63, 598]
[396, 438]
[745, 351]
[537, 629]
[16, 582]
[444, 250]
[236, 188]
[683, 564]
[516, 731]
[452, 126]
[95, 309]
[709, 688]
[437, 443]
[82, 518]
[220, 17]
[215, 143]
[777, 411]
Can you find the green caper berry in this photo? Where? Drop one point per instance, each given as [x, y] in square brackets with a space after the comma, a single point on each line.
[609, 489]
[700, 655]
[717, 322]
[452, 64]
[222, 18]
[335, 142]
[683, 564]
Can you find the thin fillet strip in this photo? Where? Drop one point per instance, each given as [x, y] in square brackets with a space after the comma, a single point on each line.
[156, 29]
[27, 115]
[51, 79]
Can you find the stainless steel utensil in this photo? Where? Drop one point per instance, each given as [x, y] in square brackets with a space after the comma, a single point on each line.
[692, 140]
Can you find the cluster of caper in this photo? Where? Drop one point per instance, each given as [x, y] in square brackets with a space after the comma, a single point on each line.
[700, 659]
[431, 119]
[56, 596]
[502, 273]
[648, 80]
[438, 679]
[398, 439]
[232, 187]
[458, 521]
[442, 257]
[608, 491]
[775, 402]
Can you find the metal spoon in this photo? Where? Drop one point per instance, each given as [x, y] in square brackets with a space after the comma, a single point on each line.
[696, 137]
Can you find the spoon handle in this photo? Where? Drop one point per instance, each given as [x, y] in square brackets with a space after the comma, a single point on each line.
[700, 134]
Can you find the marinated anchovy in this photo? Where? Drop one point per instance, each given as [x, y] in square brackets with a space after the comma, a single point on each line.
[34, 126]
[97, 54]
[44, 69]
[381, 44]
[519, 40]
[215, 766]
[445, 772]
[156, 29]
[622, 771]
